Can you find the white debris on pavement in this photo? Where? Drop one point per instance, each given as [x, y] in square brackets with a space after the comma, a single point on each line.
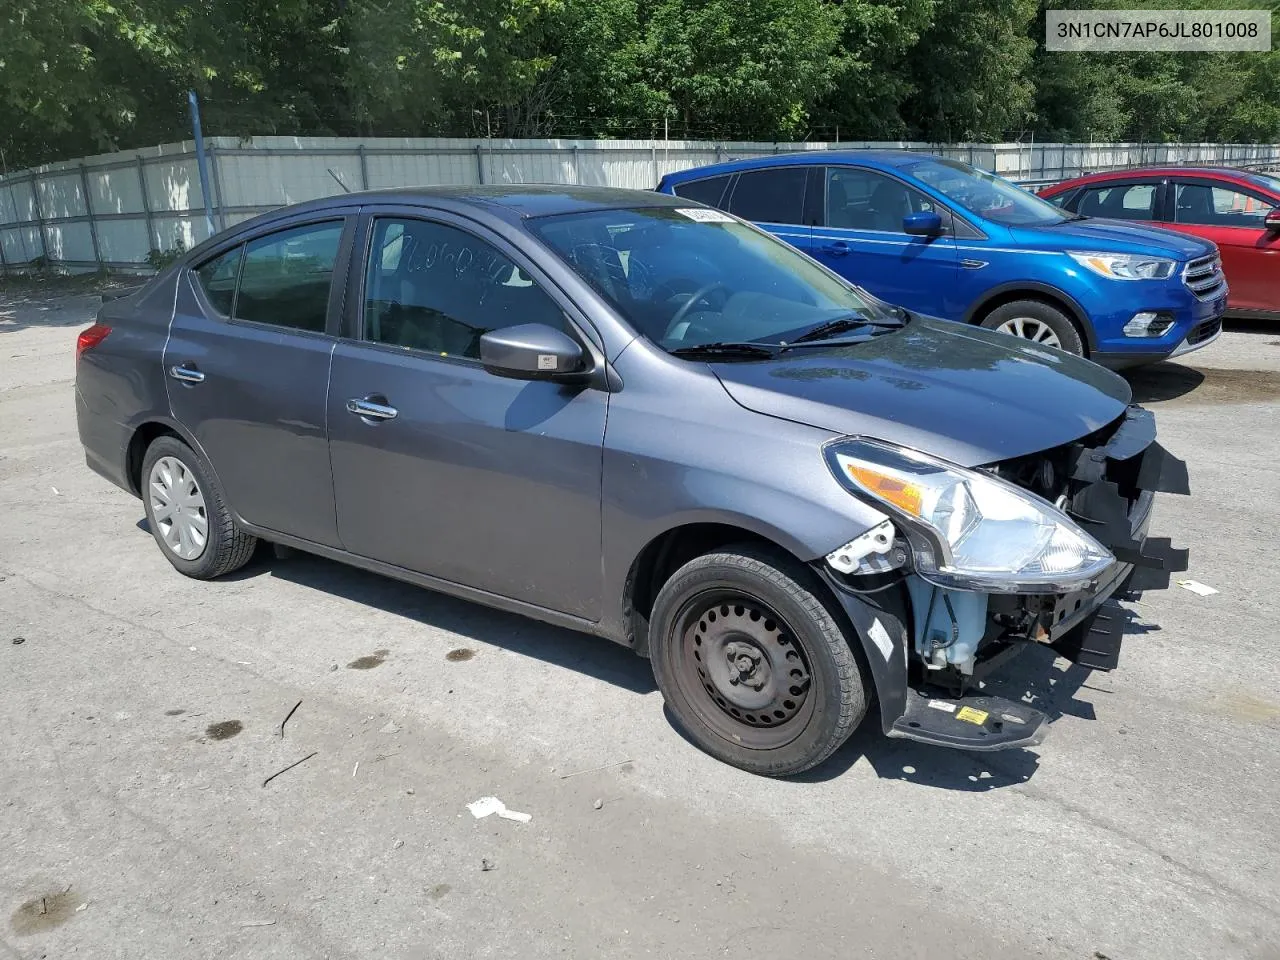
[1196, 587]
[486, 805]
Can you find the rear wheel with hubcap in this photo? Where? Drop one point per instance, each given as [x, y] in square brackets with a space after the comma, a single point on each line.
[753, 662]
[1038, 322]
[188, 514]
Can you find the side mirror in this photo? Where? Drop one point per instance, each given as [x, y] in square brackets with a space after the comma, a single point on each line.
[532, 351]
[927, 224]
[1272, 220]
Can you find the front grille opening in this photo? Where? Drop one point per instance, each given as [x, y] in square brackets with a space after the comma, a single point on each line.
[1204, 277]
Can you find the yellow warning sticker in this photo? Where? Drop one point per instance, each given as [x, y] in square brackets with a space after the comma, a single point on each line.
[970, 715]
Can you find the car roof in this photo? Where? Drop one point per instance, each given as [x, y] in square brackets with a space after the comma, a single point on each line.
[1229, 174]
[509, 202]
[886, 158]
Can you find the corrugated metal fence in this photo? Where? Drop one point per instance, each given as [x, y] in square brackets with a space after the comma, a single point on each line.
[112, 210]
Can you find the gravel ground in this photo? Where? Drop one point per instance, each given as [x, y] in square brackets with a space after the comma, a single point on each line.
[142, 714]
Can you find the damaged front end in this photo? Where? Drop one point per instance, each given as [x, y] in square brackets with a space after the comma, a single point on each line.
[975, 565]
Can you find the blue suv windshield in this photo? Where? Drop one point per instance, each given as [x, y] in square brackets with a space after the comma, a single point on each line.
[690, 277]
[983, 194]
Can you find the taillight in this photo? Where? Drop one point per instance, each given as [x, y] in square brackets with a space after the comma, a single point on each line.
[91, 337]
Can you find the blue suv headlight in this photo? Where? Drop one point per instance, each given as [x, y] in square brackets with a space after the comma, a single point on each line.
[1125, 266]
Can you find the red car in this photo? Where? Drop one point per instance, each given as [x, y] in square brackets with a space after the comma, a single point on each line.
[1237, 209]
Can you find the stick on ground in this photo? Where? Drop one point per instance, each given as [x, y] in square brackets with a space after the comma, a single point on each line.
[287, 716]
[289, 767]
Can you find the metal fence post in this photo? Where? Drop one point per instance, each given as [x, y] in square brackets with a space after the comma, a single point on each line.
[152, 240]
[215, 168]
[577, 174]
[364, 167]
[480, 163]
[88, 209]
[35, 202]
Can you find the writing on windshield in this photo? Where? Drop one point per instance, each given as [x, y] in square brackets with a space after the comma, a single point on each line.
[690, 278]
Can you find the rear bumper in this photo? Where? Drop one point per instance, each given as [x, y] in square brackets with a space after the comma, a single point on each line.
[106, 444]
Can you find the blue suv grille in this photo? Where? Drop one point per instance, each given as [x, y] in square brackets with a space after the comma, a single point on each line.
[1204, 277]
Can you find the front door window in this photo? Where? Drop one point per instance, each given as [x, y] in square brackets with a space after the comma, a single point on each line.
[1200, 204]
[860, 199]
[435, 288]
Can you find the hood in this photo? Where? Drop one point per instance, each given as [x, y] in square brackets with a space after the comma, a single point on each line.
[1115, 236]
[965, 394]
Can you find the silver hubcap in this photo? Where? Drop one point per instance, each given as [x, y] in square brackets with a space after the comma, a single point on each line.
[1029, 328]
[177, 507]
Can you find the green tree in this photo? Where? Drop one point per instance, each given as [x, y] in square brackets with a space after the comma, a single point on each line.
[878, 39]
[970, 71]
[741, 67]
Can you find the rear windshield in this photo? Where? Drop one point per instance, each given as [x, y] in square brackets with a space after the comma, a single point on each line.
[685, 278]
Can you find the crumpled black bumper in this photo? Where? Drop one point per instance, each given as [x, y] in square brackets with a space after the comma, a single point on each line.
[1113, 486]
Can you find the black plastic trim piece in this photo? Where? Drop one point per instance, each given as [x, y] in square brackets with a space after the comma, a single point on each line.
[977, 722]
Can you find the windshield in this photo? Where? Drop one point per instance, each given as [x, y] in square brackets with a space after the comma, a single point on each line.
[689, 277]
[1266, 180]
[986, 195]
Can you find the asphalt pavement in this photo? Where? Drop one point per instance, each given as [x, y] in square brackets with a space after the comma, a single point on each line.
[141, 714]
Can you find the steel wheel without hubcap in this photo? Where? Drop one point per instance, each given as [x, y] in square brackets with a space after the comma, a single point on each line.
[1029, 328]
[178, 507]
[741, 667]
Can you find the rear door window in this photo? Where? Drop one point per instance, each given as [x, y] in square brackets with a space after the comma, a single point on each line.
[286, 276]
[773, 195]
[709, 191]
[1122, 201]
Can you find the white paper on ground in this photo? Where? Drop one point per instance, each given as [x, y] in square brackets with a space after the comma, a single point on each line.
[487, 805]
[1196, 587]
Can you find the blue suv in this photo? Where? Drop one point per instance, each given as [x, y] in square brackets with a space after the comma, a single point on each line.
[941, 238]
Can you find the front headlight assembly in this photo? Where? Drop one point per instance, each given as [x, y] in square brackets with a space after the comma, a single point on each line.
[969, 530]
[1125, 266]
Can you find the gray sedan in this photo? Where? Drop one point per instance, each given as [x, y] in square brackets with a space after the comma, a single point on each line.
[634, 416]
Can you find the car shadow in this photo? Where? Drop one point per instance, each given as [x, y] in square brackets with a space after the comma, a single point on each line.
[1037, 677]
[581, 652]
[1162, 381]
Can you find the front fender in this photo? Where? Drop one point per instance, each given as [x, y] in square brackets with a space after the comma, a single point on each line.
[1031, 290]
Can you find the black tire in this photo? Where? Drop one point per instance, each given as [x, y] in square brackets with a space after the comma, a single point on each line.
[1063, 327]
[796, 627]
[226, 547]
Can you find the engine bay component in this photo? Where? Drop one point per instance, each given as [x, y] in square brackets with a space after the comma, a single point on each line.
[949, 624]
